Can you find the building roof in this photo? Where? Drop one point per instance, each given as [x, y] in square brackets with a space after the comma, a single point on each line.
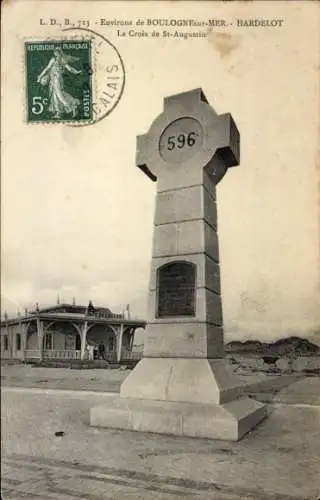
[73, 312]
[70, 308]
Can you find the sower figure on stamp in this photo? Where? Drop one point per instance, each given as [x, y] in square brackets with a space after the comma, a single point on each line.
[52, 75]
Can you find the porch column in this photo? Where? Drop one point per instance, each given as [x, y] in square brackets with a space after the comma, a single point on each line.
[9, 342]
[120, 344]
[132, 338]
[15, 340]
[24, 329]
[84, 339]
[40, 338]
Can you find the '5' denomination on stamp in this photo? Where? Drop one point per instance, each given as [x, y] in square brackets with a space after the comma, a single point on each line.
[59, 81]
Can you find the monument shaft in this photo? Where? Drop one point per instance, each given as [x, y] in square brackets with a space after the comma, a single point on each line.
[183, 386]
[185, 313]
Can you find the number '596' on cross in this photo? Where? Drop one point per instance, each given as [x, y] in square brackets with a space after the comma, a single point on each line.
[181, 140]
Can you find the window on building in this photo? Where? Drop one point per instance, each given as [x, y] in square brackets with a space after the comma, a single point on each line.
[18, 342]
[6, 343]
[48, 344]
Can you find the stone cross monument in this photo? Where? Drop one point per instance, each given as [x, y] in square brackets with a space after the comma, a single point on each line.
[183, 386]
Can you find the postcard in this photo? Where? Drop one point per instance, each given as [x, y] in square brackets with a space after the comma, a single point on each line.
[160, 248]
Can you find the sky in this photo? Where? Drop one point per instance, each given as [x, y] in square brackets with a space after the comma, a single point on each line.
[77, 214]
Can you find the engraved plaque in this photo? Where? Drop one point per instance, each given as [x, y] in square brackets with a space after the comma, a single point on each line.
[176, 290]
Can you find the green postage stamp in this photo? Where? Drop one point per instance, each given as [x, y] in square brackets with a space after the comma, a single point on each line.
[59, 81]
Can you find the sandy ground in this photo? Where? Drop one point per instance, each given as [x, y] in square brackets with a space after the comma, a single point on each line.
[277, 460]
[62, 378]
[261, 385]
[109, 380]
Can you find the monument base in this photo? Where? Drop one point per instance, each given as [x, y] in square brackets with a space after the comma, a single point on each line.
[183, 397]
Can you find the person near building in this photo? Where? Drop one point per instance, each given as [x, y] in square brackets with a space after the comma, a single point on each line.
[101, 351]
[90, 349]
